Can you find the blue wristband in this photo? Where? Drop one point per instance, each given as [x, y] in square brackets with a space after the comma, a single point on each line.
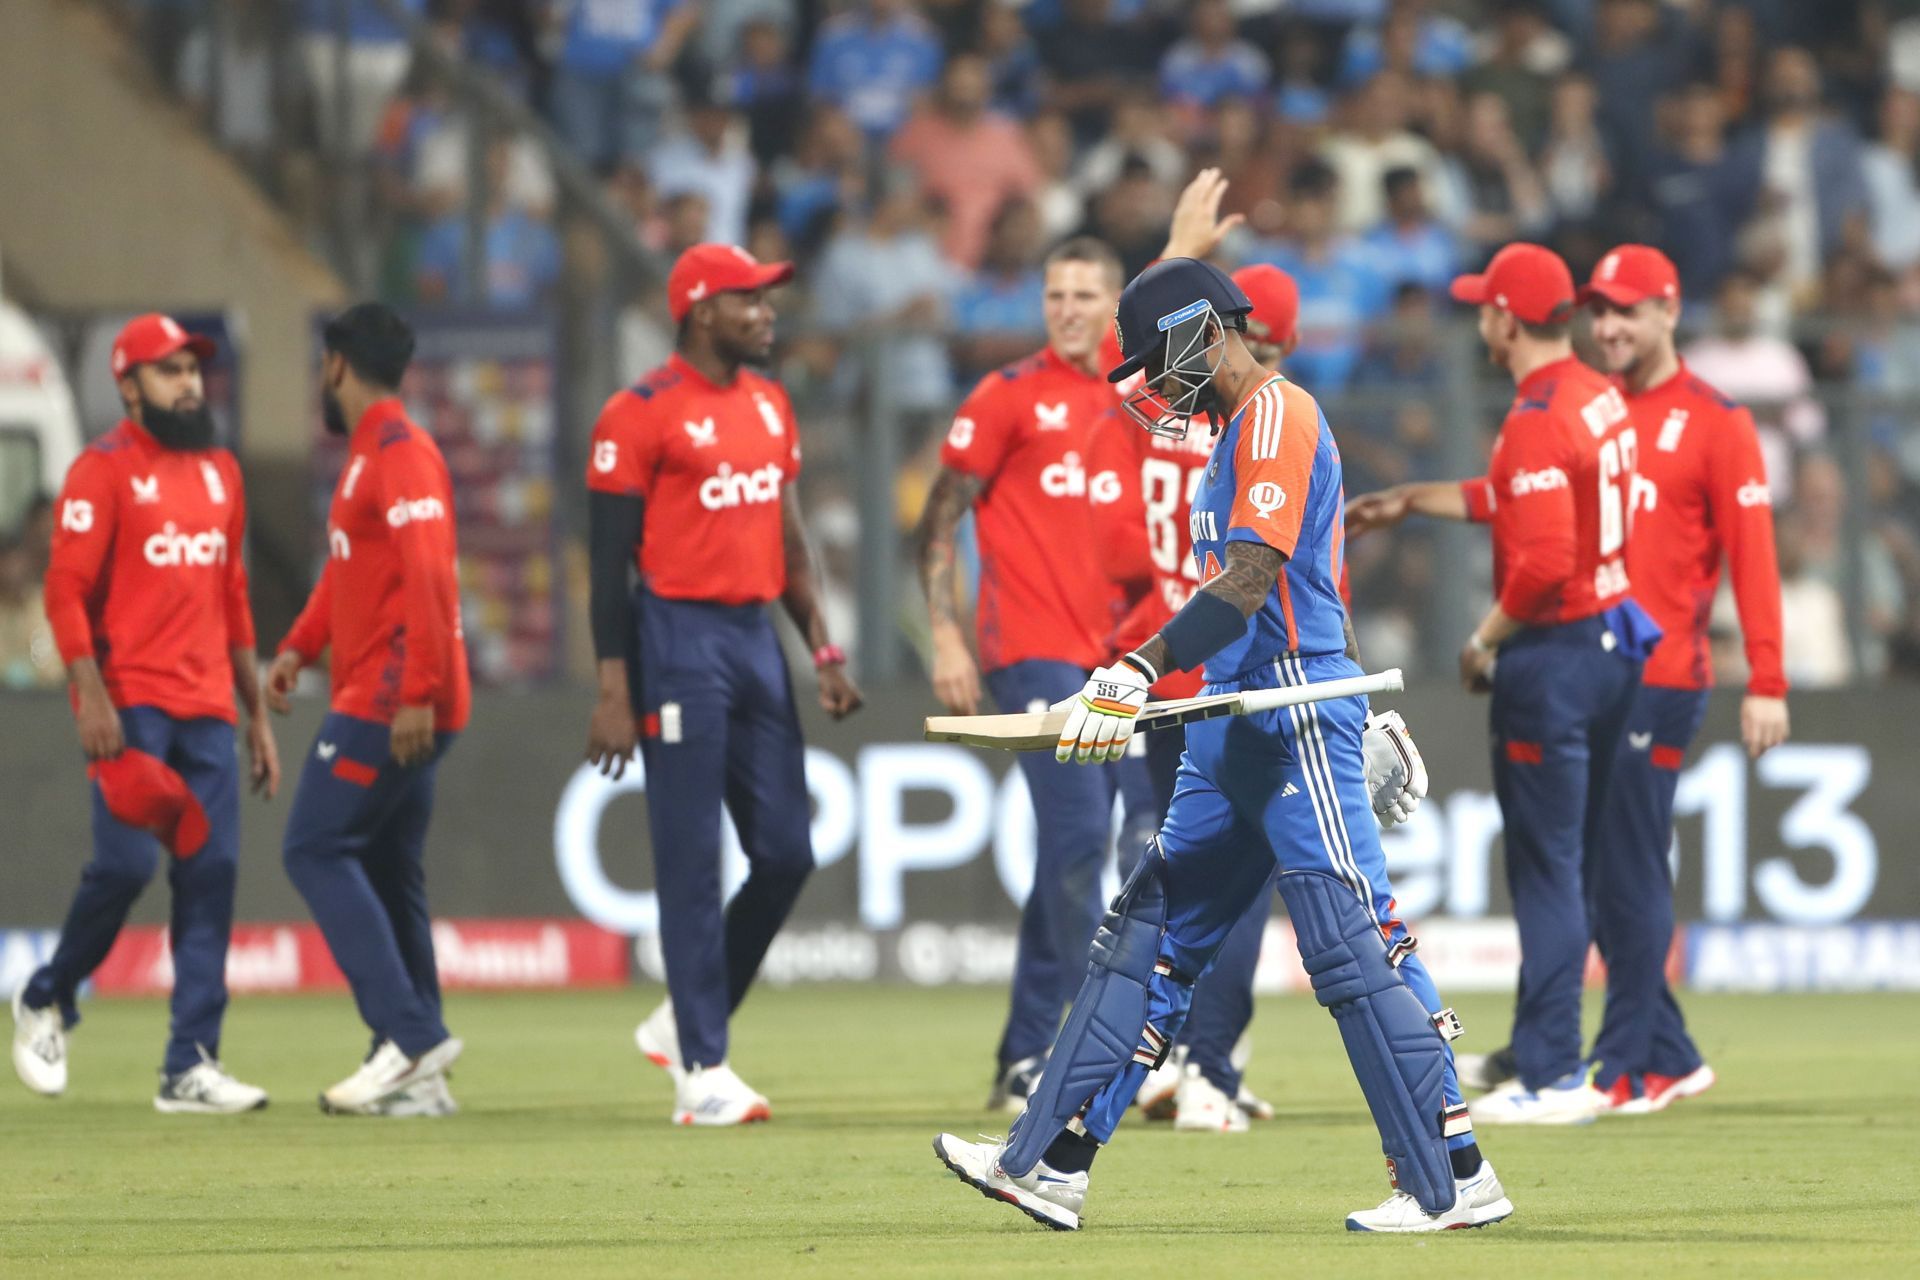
[1205, 625]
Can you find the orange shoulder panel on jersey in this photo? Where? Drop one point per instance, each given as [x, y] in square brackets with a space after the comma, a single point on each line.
[621, 459]
[1273, 463]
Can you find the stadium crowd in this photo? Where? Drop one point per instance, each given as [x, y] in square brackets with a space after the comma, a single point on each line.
[917, 158]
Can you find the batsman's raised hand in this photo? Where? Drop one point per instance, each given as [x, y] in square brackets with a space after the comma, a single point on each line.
[1198, 228]
[1100, 717]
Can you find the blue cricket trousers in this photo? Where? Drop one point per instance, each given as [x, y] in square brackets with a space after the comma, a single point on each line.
[715, 702]
[1630, 890]
[355, 848]
[1073, 823]
[201, 751]
[1561, 695]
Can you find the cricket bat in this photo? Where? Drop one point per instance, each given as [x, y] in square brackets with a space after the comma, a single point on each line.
[1040, 730]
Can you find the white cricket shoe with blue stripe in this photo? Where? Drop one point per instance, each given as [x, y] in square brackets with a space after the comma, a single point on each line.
[1572, 1099]
[1479, 1201]
[716, 1096]
[1048, 1196]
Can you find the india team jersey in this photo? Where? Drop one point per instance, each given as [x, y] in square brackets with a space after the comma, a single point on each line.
[1702, 492]
[1026, 431]
[1559, 494]
[146, 574]
[711, 463]
[1142, 491]
[388, 600]
[1274, 478]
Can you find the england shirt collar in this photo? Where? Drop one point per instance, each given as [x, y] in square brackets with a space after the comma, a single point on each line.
[378, 414]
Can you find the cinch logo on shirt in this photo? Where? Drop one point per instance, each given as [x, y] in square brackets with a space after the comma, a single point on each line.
[1104, 488]
[1754, 494]
[170, 549]
[1526, 482]
[730, 488]
[407, 511]
[338, 545]
[1065, 478]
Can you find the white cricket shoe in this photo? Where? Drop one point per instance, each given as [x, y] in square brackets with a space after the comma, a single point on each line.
[205, 1089]
[1157, 1092]
[1046, 1195]
[428, 1097]
[1479, 1201]
[385, 1073]
[39, 1046]
[1200, 1106]
[659, 1039]
[1570, 1100]
[716, 1096]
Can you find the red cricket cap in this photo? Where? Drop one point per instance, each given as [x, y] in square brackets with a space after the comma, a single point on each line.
[1529, 281]
[707, 269]
[143, 792]
[155, 337]
[1276, 303]
[1632, 273]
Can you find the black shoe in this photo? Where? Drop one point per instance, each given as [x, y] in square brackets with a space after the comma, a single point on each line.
[1486, 1070]
[1014, 1085]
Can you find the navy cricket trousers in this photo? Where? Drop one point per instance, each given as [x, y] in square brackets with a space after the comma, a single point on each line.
[355, 848]
[715, 703]
[201, 751]
[1630, 890]
[1073, 825]
[1222, 999]
[1561, 695]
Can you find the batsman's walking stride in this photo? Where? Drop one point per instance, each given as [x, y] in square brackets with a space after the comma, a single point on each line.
[147, 598]
[388, 606]
[1289, 787]
[691, 480]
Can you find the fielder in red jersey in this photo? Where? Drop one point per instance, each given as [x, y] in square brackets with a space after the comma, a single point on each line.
[388, 605]
[146, 595]
[1561, 649]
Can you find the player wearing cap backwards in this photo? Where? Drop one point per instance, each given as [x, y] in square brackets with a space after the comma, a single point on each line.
[1702, 496]
[147, 598]
[691, 478]
[1289, 787]
[1569, 643]
[388, 606]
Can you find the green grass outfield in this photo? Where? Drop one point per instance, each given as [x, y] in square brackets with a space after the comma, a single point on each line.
[1801, 1163]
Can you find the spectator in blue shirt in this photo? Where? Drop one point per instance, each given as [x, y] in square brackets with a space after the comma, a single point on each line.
[1013, 61]
[1411, 40]
[1212, 62]
[1411, 246]
[1341, 292]
[995, 316]
[761, 82]
[823, 176]
[611, 85]
[521, 254]
[872, 61]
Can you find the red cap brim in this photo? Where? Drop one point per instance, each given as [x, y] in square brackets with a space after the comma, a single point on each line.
[1620, 295]
[1469, 289]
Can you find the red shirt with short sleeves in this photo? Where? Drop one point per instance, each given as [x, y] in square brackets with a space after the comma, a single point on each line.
[1559, 494]
[1026, 431]
[1703, 494]
[388, 599]
[1142, 491]
[146, 575]
[711, 463]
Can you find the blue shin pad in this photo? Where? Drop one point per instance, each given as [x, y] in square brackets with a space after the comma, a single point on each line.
[1107, 1032]
[1398, 1054]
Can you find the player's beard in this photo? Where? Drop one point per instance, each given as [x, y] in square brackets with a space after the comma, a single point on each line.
[332, 416]
[178, 428]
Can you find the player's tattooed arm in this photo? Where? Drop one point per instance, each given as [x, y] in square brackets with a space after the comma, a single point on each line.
[1252, 569]
[956, 679]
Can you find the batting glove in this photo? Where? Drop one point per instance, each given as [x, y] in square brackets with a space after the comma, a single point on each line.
[1396, 775]
[1100, 717]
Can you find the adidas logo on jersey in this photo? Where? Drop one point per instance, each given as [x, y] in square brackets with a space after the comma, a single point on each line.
[729, 488]
[1526, 482]
[411, 511]
[172, 549]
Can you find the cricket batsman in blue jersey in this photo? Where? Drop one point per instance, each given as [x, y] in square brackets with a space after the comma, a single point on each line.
[1288, 787]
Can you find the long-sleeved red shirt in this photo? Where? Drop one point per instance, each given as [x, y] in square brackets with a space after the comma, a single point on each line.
[388, 599]
[1559, 494]
[1703, 493]
[146, 575]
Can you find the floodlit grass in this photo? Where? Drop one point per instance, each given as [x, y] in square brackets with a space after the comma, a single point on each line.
[1801, 1163]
